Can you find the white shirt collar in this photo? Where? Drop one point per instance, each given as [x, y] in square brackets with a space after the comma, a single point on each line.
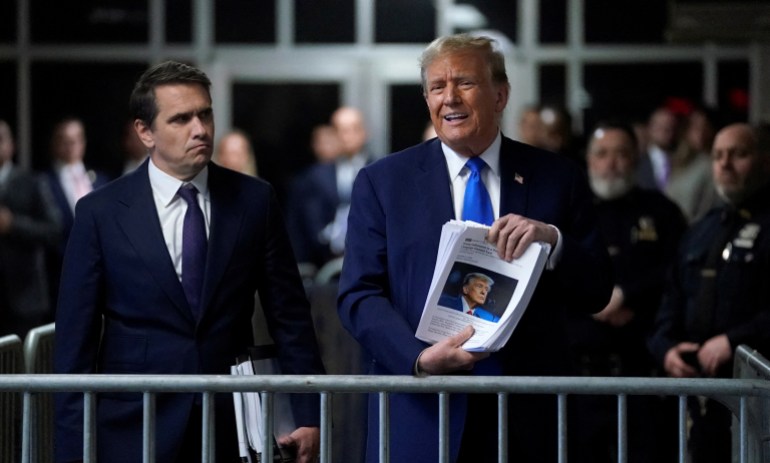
[167, 186]
[456, 162]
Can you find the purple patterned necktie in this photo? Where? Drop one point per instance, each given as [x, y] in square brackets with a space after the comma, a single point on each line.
[194, 248]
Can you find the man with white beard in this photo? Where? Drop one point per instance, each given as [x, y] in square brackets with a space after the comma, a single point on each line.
[642, 229]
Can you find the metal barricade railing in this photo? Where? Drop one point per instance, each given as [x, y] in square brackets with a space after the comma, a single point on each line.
[740, 390]
[749, 364]
[38, 359]
[11, 362]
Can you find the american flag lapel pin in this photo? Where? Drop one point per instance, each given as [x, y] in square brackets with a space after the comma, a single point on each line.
[518, 179]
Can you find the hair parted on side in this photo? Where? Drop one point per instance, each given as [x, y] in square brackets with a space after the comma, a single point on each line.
[142, 103]
[477, 276]
[461, 43]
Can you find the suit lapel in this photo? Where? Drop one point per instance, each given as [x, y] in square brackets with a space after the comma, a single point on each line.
[140, 223]
[226, 217]
[515, 177]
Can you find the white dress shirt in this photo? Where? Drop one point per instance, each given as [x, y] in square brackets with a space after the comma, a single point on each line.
[459, 174]
[172, 208]
[75, 181]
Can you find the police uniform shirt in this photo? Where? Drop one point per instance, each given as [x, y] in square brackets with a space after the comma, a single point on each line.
[741, 302]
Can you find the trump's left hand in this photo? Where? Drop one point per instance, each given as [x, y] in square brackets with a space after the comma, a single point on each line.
[512, 234]
[307, 442]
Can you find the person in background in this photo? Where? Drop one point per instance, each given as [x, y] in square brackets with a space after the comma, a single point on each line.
[641, 229]
[234, 151]
[320, 196]
[531, 127]
[717, 296]
[68, 180]
[159, 278]
[691, 185]
[29, 225]
[654, 169]
[558, 135]
[325, 143]
[399, 206]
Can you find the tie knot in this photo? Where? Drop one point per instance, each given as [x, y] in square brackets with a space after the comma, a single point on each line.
[475, 164]
[188, 192]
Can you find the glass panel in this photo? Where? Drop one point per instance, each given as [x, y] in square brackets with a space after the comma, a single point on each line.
[8, 94]
[405, 21]
[179, 21]
[553, 21]
[89, 21]
[733, 90]
[279, 119]
[330, 21]
[610, 21]
[245, 21]
[553, 84]
[408, 116]
[632, 91]
[8, 21]
[498, 15]
[96, 93]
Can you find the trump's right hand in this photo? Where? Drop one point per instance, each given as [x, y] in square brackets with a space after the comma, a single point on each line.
[447, 355]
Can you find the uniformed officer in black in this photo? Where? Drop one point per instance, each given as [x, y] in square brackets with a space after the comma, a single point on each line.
[719, 293]
[642, 229]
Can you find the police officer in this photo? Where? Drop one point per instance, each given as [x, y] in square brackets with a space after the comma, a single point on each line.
[642, 229]
[719, 296]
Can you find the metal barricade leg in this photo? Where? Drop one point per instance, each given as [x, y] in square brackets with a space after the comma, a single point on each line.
[384, 427]
[148, 430]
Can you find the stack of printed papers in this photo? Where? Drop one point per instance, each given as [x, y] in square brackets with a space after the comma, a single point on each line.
[472, 285]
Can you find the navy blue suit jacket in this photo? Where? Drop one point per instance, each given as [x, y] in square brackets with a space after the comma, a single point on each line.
[117, 267]
[399, 205]
[312, 205]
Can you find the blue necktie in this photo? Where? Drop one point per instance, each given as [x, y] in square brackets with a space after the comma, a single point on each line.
[477, 206]
[194, 247]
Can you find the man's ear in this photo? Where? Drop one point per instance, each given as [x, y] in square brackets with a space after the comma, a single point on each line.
[145, 134]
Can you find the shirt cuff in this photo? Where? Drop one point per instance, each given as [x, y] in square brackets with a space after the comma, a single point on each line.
[416, 370]
[555, 256]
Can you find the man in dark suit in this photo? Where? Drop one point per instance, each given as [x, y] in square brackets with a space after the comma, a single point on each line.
[29, 225]
[476, 287]
[320, 196]
[68, 180]
[399, 206]
[135, 300]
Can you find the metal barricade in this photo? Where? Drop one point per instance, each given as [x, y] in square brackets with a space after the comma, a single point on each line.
[38, 359]
[742, 390]
[749, 364]
[11, 362]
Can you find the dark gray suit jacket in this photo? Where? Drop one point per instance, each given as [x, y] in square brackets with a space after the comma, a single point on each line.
[24, 300]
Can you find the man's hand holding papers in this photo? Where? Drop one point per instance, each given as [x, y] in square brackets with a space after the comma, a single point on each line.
[448, 355]
[512, 234]
[473, 285]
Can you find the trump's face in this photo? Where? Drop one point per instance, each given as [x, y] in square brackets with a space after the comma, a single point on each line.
[476, 292]
[464, 103]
